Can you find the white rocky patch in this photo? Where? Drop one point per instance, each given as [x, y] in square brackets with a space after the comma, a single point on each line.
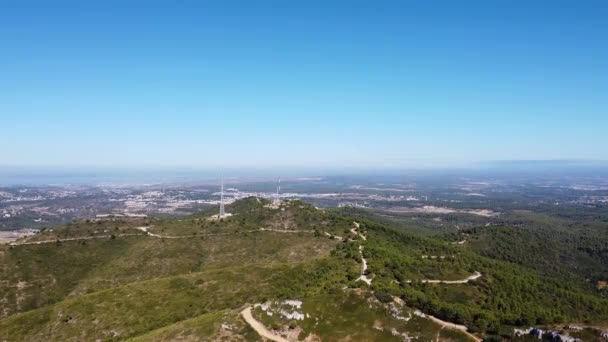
[293, 303]
[269, 309]
[396, 313]
[292, 315]
[404, 337]
[295, 314]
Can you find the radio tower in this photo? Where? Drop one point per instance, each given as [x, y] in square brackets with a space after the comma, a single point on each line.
[222, 212]
[278, 190]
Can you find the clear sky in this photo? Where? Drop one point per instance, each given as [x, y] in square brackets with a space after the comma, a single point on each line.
[301, 83]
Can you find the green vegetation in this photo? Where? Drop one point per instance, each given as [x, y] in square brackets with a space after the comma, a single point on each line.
[506, 294]
[193, 275]
[139, 307]
[222, 325]
[355, 315]
[48, 273]
[567, 249]
[38, 275]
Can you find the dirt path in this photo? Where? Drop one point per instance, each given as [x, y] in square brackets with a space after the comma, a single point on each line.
[461, 281]
[443, 324]
[68, 239]
[337, 237]
[448, 325]
[362, 277]
[355, 231]
[282, 230]
[259, 327]
[144, 229]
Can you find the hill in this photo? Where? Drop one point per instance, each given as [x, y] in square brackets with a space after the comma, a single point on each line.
[292, 271]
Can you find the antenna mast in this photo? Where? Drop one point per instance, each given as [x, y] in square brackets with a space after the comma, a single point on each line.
[278, 190]
[222, 212]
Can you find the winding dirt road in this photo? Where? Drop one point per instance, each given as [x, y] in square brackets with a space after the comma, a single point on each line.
[461, 281]
[448, 325]
[147, 233]
[259, 327]
[363, 277]
[40, 242]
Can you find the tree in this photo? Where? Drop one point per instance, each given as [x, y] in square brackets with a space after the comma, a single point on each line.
[383, 296]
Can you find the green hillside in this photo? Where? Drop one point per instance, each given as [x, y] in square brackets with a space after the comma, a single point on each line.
[190, 278]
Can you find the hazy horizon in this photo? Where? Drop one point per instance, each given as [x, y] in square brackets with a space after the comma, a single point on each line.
[92, 175]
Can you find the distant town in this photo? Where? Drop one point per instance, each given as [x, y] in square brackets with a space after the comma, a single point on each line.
[24, 209]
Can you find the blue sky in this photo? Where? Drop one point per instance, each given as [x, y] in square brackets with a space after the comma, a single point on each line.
[301, 83]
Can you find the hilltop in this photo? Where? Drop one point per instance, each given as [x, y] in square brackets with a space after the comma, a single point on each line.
[290, 271]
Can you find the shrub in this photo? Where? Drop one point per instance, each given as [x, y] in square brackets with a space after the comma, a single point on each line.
[383, 297]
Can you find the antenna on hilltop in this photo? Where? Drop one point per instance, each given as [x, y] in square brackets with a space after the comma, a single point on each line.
[278, 190]
[222, 212]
